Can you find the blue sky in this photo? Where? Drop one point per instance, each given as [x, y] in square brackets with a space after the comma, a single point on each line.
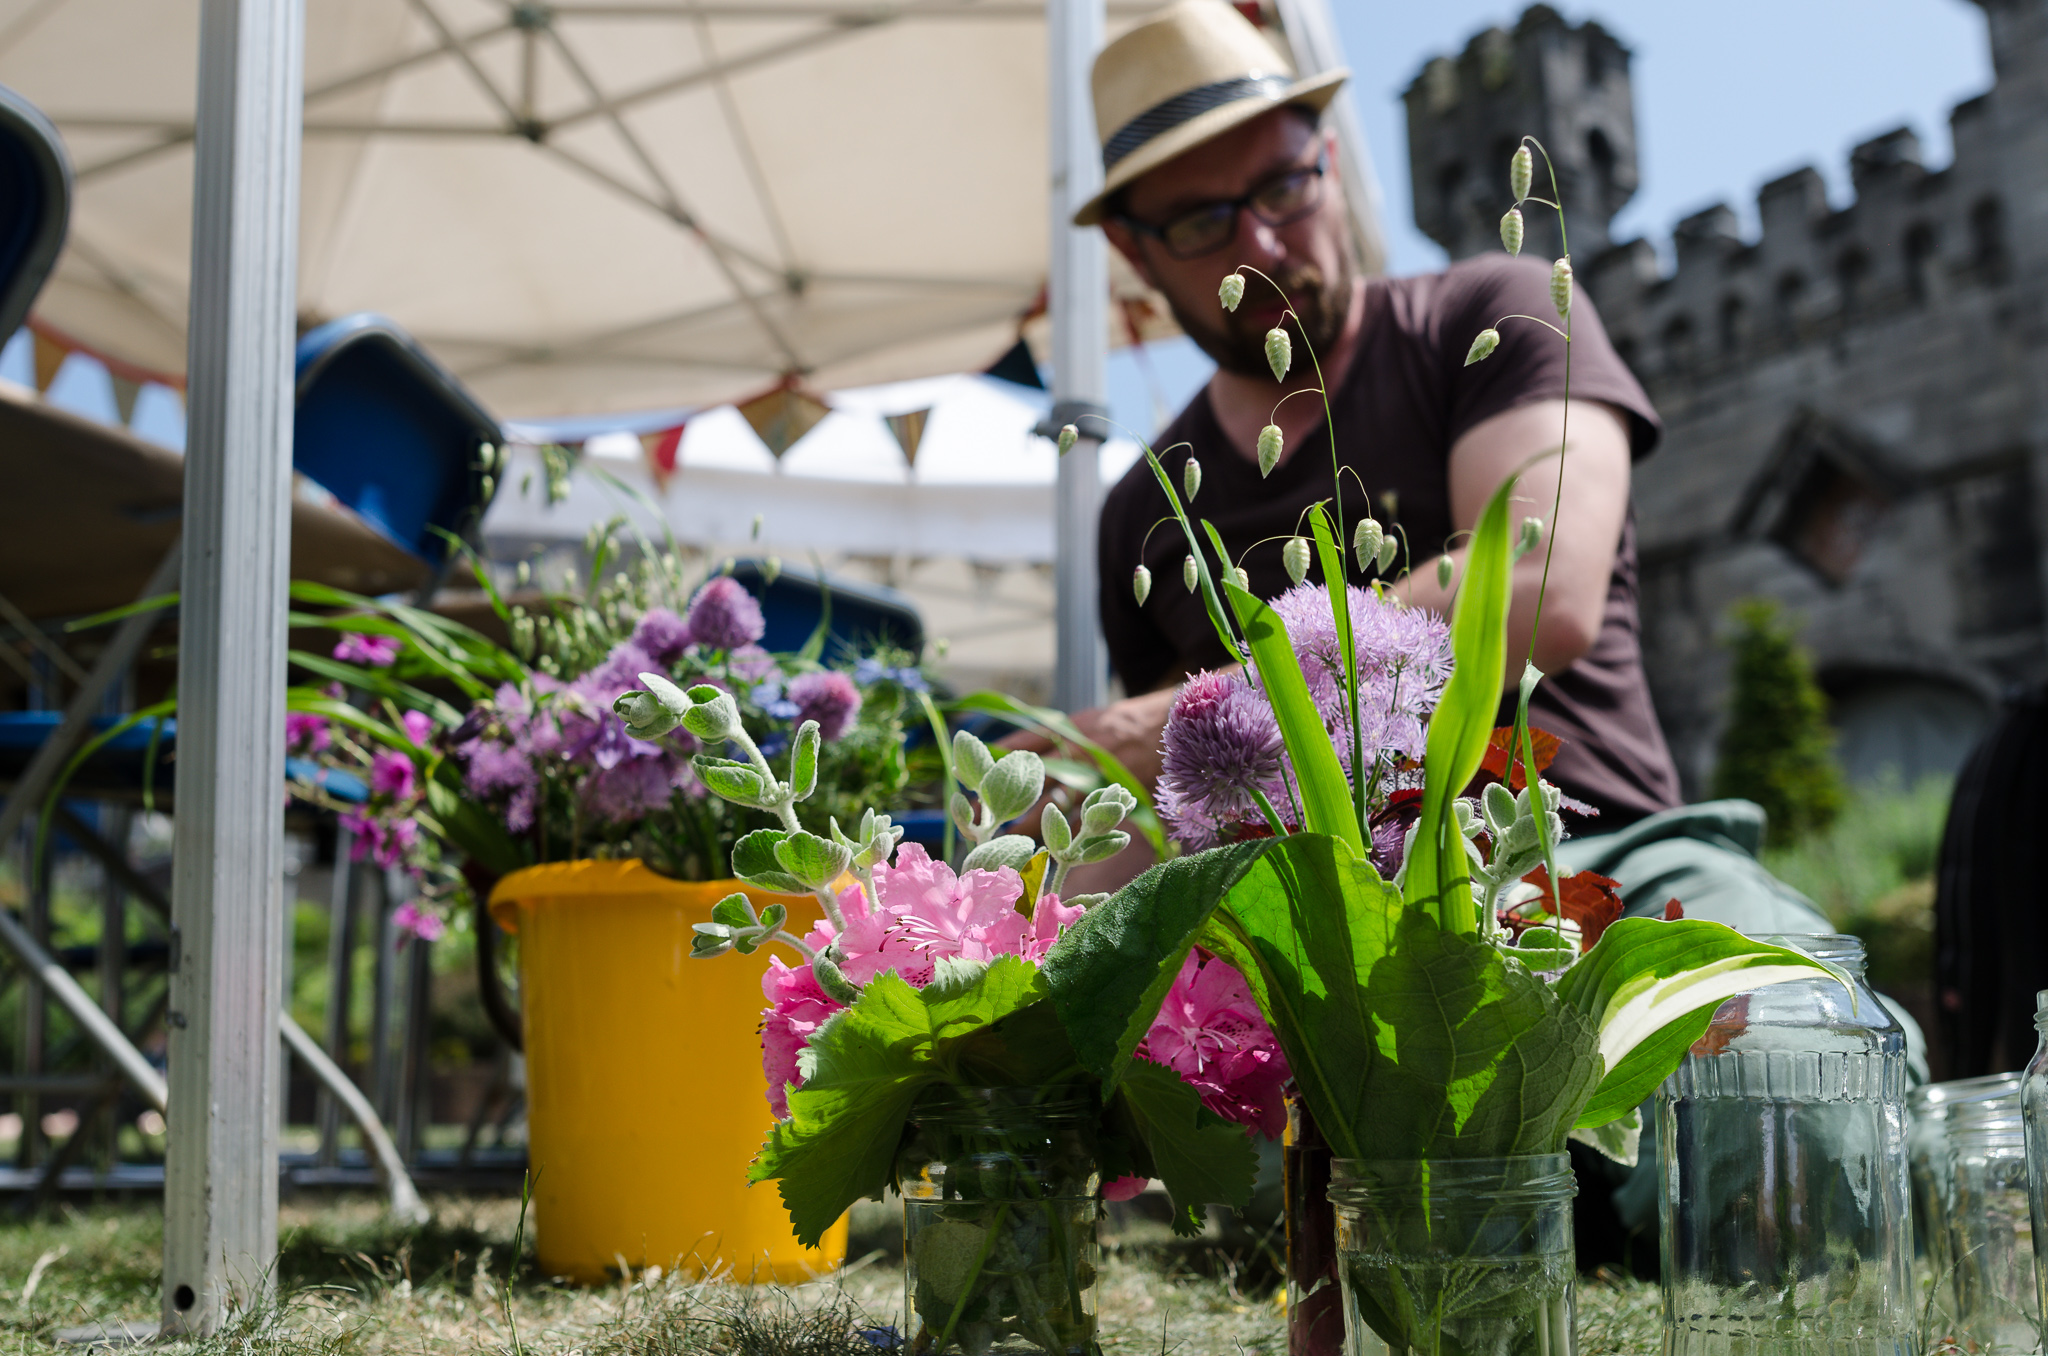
[1728, 96]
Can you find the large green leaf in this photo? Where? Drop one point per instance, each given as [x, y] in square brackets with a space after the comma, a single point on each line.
[473, 828]
[1325, 791]
[871, 1062]
[1650, 987]
[1338, 585]
[1200, 1157]
[1109, 972]
[1437, 875]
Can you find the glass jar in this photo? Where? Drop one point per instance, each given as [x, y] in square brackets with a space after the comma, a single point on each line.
[1784, 1218]
[1927, 1163]
[1315, 1308]
[1456, 1255]
[999, 1203]
[1990, 1231]
[2034, 1119]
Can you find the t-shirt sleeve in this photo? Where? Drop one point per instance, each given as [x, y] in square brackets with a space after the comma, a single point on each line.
[1530, 362]
[1138, 653]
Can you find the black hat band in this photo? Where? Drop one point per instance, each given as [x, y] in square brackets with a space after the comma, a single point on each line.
[1165, 116]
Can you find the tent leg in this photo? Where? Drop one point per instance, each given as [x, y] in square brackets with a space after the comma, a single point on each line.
[220, 1183]
[405, 1198]
[341, 952]
[1078, 293]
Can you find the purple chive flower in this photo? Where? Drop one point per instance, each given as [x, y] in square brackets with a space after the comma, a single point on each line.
[1404, 660]
[495, 770]
[830, 698]
[629, 789]
[662, 634]
[378, 652]
[391, 774]
[752, 664]
[724, 616]
[1222, 743]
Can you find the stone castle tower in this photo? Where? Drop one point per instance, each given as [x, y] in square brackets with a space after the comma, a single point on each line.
[1856, 401]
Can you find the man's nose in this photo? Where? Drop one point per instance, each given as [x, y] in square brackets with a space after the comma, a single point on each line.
[1261, 243]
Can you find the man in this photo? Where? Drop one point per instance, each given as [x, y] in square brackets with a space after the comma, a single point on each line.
[1216, 165]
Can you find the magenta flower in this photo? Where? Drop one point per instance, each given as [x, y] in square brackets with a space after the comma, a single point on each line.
[424, 924]
[419, 727]
[376, 651]
[1222, 744]
[308, 733]
[662, 634]
[1210, 1031]
[752, 664]
[797, 1007]
[724, 616]
[830, 698]
[391, 774]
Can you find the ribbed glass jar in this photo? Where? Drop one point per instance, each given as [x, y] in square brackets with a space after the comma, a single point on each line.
[1991, 1233]
[1784, 1216]
[2034, 1119]
[1443, 1256]
[1927, 1160]
[999, 1206]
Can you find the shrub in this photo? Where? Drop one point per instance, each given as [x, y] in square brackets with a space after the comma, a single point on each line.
[1778, 749]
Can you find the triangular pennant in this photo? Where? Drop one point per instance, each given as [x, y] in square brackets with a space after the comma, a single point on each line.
[125, 392]
[50, 356]
[781, 416]
[909, 431]
[660, 448]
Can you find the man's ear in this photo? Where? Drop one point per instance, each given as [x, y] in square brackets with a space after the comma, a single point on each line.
[1125, 242]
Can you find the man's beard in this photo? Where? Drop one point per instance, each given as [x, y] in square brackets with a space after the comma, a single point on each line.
[1235, 345]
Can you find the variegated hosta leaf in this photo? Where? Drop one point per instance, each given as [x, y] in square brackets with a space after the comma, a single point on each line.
[1651, 987]
[1620, 1140]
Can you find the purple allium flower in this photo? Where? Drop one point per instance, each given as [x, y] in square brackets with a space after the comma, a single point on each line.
[391, 774]
[1404, 660]
[724, 616]
[1221, 743]
[495, 770]
[307, 732]
[629, 789]
[519, 810]
[752, 664]
[830, 698]
[376, 651]
[662, 634]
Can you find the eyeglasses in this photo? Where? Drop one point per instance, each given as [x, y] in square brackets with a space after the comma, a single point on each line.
[1280, 200]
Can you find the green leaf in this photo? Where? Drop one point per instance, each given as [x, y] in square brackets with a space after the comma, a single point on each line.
[754, 861]
[474, 829]
[1437, 876]
[815, 862]
[1325, 792]
[870, 1063]
[1200, 1157]
[1109, 972]
[1337, 582]
[1651, 987]
[731, 781]
[734, 911]
[803, 760]
[1013, 785]
[377, 682]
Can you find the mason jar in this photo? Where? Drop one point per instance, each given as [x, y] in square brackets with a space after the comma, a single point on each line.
[1456, 1255]
[1000, 1191]
[1927, 1163]
[1991, 1231]
[2034, 1119]
[1784, 1219]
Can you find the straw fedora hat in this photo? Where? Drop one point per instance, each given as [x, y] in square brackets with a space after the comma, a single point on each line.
[1192, 71]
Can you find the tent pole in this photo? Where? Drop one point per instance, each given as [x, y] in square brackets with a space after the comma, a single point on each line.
[1077, 294]
[220, 1182]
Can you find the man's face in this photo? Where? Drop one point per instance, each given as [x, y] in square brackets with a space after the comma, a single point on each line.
[1309, 257]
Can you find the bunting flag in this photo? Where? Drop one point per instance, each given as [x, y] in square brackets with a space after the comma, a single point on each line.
[50, 356]
[909, 431]
[125, 391]
[660, 449]
[781, 416]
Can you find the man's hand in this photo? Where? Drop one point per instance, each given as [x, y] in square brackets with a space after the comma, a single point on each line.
[1130, 729]
[1594, 506]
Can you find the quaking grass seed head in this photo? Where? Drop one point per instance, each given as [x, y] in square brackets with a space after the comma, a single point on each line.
[1141, 584]
[1390, 546]
[1483, 345]
[1271, 444]
[1232, 290]
[1561, 286]
[1521, 172]
[1068, 436]
[1189, 574]
[1191, 479]
[1240, 578]
[1511, 231]
[1279, 352]
[1365, 543]
[1294, 556]
[1445, 569]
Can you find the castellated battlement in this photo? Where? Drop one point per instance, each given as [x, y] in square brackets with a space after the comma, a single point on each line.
[1909, 235]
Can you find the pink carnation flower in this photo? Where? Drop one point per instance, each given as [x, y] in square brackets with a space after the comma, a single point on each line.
[1210, 1031]
[377, 651]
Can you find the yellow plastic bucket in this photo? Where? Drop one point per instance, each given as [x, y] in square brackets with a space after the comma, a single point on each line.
[643, 1069]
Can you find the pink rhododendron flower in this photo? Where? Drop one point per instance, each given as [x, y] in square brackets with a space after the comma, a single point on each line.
[424, 924]
[391, 774]
[1210, 1031]
[376, 651]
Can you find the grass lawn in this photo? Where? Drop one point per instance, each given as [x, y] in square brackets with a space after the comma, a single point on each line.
[348, 1282]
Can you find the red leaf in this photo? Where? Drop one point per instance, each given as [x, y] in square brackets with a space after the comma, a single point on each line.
[1673, 910]
[1591, 902]
[1544, 744]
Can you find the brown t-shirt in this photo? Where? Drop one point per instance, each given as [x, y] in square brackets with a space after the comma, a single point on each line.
[1407, 398]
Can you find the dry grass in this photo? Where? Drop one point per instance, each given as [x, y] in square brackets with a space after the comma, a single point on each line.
[349, 1283]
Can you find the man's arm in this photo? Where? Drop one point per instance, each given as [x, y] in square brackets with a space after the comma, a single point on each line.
[1594, 507]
